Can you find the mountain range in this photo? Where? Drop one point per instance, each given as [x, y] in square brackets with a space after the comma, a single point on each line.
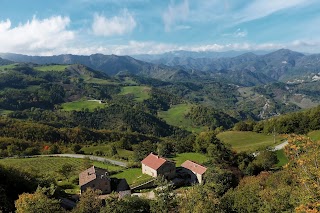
[247, 69]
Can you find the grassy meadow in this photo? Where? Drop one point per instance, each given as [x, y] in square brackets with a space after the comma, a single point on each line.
[84, 104]
[248, 141]
[7, 67]
[196, 157]
[283, 160]
[133, 176]
[314, 135]
[140, 93]
[175, 116]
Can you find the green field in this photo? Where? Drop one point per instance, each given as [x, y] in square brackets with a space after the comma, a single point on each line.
[7, 67]
[98, 81]
[79, 105]
[175, 116]
[140, 93]
[247, 141]
[58, 68]
[196, 157]
[283, 160]
[5, 112]
[133, 176]
[314, 135]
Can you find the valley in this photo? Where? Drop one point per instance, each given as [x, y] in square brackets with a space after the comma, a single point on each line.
[217, 118]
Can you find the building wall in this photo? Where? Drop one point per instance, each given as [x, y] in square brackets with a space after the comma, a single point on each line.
[149, 171]
[99, 183]
[199, 177]
[168, 170]
[194, 177]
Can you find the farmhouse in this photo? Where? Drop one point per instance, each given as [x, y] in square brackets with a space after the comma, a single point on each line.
[95, 178]
[155, 166]
[194, 170]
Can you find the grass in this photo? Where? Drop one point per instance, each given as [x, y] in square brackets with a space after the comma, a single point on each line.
[140, 93]
[133, 176]
[7, 67]
[79, 105]
[98, 81]
[196, 157]
[175, 116]
[46, 68]
[283, 160]
[247, 141]
[5, 112]
[314, 135]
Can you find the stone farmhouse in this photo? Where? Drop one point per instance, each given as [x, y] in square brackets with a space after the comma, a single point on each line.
[95, 178]
[195, 171]
[155, 166]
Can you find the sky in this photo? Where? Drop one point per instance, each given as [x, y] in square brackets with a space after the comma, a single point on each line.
[129, 27]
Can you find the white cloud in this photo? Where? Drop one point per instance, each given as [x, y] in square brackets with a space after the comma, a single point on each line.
[240, 33]
[261, 8]
[35, 36]
[183, 27]
[117, 25]
[175, 14]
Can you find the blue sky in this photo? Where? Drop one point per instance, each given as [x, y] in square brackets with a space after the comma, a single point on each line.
[47, 27]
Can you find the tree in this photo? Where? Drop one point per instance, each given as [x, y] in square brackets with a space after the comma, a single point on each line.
[143, 149]
[165, 149]
[66, 170]
[304, 155]
[266, 159]
[54, 149]
[220, 180]
[126, 204]
[165, 198]
[86, 163]
[199, 199]
[76, 148]
[113, 150]
[89, 202]
[37, 202]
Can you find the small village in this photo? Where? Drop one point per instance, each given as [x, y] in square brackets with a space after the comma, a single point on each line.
[153, 165]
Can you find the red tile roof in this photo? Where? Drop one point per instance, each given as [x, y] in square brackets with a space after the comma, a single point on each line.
[91, 174]
[153, 161]
[197, 168]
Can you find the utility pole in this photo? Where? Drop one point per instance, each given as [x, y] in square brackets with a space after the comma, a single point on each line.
[274, 134]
